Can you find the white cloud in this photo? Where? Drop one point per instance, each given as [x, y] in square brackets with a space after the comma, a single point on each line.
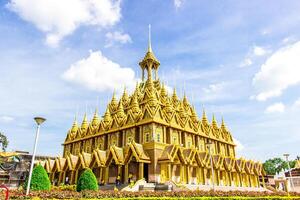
[178, 3]
[239, 145]
[60, 18]
[97, 72]
[297, 103]
[265, 31]
[259, 51]
[276, 107]
[280, 71]
[214, 88]
[247, 62]
[6, 119]
[117, 36]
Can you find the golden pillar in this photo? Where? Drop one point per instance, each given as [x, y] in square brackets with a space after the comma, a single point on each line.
[76, 176]
[182, 174]
[120, 171]
[106, 175]
[188, 174]
[126, 173]
[100, 175]
[169, 172]
[141, 170]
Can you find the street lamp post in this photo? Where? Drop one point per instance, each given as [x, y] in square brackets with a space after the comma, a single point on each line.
[209, 143]
[286, 155]
[39, 121]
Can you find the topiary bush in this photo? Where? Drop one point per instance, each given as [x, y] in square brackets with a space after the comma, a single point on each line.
[87, 181]
[39, 179]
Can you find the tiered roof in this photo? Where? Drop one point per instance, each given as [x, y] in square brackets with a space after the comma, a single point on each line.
[149, 101]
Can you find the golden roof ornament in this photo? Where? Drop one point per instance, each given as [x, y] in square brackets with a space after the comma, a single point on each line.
[149, 61]
[96, 119]
[114, 102]
[84, 124]
[74, 126]
[214, 122]
[185, 100]
[107, 116]
[135, 106]
[163, 91]
[194, 116]
[168, 109]
[204, 118]
[223, 125]
[174, 97]
[182, 112]
[125, 98]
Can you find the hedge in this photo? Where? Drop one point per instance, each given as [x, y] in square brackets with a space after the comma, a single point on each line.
[87, 181]
[201, 195]
[39, 179]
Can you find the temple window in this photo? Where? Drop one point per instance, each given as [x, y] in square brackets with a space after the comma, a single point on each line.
[158, 137]
[174, 140]
[129, 139]
[147, 138]
[189, 144]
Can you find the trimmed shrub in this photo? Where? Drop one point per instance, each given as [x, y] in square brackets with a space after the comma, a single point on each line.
[87, 181]
[39, 179]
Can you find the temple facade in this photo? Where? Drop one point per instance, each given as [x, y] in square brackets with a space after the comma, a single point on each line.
[155, 136]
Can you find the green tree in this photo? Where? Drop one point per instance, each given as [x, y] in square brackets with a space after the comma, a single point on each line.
[276, 165]
[39, 179]
[3, 141]
[87, 181]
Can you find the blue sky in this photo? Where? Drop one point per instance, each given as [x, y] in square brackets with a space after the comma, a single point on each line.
[237, 59]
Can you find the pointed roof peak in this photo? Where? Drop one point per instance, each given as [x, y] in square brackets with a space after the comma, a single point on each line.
[96, 118]
[75, 125]
[214, 121]
[149, 38]
[84, 123]
[204, 118]
[213, 117]
[223, 125]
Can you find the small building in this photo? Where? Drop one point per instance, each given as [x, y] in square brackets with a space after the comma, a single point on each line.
[14, 167]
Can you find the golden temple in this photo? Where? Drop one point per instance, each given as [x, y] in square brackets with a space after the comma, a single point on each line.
[155, 136]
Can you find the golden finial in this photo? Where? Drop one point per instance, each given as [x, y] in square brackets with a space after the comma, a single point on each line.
[149, 38]
[75, 125]
[120, 106]
[125, 92]
[114, 102]
[185, 100]
[194, 114]
[135, 105]
[214, 122]
[181, 110]
[107, 116]
[163, 91]
[174, 96]
[204, 118]
[84, 123]
[223, 125]
[96, 118]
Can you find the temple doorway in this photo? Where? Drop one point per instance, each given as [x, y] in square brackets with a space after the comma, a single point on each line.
[146, 172]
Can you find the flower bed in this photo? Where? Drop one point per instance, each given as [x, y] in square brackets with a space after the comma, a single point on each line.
[65, 194]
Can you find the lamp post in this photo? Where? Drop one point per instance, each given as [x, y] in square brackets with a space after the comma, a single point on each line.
[209, 143]
[39, 121]
[286, 155]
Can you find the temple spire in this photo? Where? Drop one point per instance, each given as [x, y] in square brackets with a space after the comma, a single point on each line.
[75, 125]
[84, 124]
[149, 63]
[204, 118]
[149, 38]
